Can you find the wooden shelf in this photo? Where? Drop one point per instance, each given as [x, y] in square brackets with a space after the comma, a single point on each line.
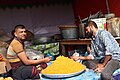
[64, 42]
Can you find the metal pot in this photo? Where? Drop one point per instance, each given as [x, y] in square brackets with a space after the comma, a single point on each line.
[69, 31]
[41, 40]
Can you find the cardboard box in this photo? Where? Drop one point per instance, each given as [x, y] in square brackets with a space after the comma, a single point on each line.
[101, 23]
[4, 66]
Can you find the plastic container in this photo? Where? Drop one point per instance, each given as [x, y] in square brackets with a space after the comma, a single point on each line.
[49, 54]
[82, 31]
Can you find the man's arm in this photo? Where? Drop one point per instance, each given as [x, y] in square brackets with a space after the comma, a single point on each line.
[75, 58]
[100, 67]
[23, 57]
[106, 59]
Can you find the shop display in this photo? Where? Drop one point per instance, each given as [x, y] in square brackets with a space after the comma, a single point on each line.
[34, 55]
[52, 48]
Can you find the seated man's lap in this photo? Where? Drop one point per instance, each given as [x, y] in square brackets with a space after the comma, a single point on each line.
[26, 72]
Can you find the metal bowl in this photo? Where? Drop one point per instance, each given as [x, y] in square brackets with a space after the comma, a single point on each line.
[41, 40]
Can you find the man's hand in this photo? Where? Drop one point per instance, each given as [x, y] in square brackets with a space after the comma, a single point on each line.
[75, 58]
[99, 68]
[47, 59]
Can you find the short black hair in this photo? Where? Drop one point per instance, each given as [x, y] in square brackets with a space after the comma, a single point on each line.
[20, 26]
[91, 23]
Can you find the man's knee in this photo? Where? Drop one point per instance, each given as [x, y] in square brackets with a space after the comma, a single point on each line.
[105, 76]
[89, 64]
[26, 72]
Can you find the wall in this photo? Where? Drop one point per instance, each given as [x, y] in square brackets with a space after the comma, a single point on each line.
[83, 8]
[40, 20]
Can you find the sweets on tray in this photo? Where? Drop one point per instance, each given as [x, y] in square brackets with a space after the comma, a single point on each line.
[63, 65]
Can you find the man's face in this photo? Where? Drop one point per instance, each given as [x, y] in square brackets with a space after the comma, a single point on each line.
[21, 34]
[89, 31]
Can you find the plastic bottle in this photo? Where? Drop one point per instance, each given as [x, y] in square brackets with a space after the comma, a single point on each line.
[49, 54]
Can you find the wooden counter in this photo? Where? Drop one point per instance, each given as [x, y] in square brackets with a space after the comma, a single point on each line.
[63, 43]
